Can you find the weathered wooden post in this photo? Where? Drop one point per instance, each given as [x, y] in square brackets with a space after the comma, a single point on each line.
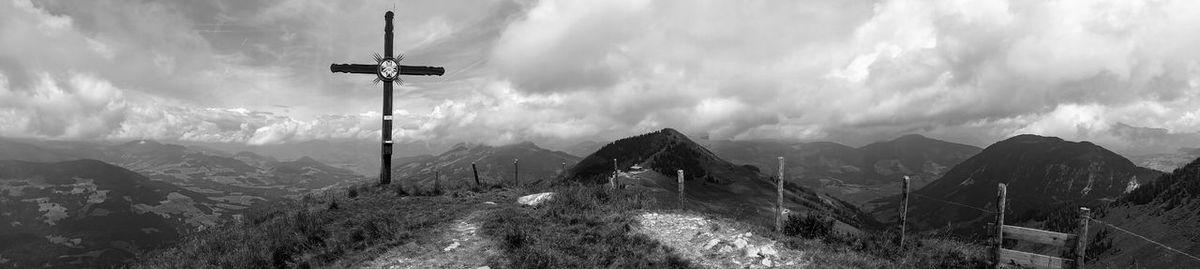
[903, 210]
[779, 198]
[437, 181]
[516, 179]
[1081, 239]
[1000, 199]
[476, 172]
[612, 182]
[679, 173]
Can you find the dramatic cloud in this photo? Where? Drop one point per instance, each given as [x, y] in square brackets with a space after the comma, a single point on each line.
[867, 71]
[1124, 74]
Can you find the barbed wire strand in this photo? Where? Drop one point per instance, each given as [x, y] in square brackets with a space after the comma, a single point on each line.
[953, 203]
[1147, 239]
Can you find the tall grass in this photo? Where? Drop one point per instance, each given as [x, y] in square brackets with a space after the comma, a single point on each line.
[813, 233]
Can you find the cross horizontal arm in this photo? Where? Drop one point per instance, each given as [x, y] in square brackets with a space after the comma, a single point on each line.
[421, 70]
[355, 68]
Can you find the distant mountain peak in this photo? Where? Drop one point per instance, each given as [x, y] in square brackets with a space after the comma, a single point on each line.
[1032, 138]
[664, 151]
[523, 144]
[673, 133]
[143, 142]
[247, 154]
[308, 160]
[463, 146]
[912, 137]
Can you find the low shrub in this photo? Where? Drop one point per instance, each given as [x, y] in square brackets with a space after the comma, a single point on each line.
[808, 226]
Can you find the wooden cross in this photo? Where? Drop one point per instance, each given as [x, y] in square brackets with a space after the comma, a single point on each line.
[387, 70]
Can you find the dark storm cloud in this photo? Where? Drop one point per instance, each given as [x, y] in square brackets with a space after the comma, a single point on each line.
[857, 71]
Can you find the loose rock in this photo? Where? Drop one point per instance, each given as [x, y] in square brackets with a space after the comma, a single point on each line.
[452, 246]
[712, 243]
[752, 252]
[768, 251]
[535, 199]
[725, 249]
[740, 243]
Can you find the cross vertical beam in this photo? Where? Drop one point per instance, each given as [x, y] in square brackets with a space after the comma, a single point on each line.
[385, 158]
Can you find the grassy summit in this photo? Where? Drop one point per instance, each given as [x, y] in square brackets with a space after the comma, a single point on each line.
[584, 226]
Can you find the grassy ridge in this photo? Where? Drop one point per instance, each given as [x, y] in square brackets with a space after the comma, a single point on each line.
[331, 231]
[584, 226]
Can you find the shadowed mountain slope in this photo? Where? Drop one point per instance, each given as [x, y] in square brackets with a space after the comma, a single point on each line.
[536, 165]
[1041, 173]
[1167, 210]
[88, 213]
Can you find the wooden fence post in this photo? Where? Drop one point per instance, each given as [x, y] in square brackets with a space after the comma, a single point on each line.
[779, 198]
[437, 184]
[1002, 192]
[679, 173]
[476, 172]
[516, 179]
[1081, 240]
[903, 210]
[612, 182]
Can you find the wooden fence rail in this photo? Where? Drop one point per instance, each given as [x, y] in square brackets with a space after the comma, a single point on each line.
[1007, 258]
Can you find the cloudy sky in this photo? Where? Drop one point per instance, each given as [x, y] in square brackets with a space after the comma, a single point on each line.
[1124, 74]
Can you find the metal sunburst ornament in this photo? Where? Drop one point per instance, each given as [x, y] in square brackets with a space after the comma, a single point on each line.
[389, 69]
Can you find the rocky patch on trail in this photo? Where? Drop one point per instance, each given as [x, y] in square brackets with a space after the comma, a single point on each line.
[718, 244]
[459, 247]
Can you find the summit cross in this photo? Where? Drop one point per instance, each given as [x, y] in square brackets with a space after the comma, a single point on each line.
[387, 70]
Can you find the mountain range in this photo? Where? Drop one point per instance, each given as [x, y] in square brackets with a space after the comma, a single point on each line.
[1042, 175]
[358, 155]
[535, 165]
[57, 194]
[64, 200]
[858, 175]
